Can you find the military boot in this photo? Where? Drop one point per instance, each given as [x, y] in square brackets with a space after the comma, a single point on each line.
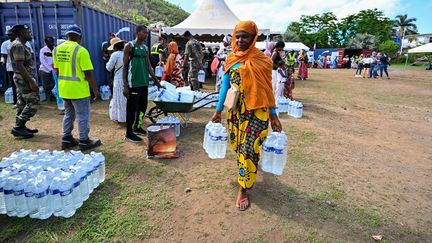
[20, 130]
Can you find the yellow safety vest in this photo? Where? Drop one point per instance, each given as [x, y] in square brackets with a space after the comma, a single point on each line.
[71, 77]
[154, 49]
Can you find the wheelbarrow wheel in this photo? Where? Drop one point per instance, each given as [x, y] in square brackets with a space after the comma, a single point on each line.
[154, 113]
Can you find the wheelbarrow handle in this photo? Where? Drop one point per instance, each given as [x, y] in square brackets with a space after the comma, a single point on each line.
[196, 101]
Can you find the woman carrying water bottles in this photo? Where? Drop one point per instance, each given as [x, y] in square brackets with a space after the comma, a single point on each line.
[250, 72]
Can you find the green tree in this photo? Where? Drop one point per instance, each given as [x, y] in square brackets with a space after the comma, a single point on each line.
[405, 24]
[389, 47]
[363, 41]
[320, 29]
[290, 36]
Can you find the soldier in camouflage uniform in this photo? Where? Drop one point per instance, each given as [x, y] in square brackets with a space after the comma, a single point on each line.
[27, 88]
[193, 53]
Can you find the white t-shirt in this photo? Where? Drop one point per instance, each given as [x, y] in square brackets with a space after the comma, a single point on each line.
[5, 47]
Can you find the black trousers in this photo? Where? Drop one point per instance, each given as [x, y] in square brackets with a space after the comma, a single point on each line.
[136, 103]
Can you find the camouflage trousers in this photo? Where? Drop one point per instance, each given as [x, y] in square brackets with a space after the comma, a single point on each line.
[193, 75]
[27, 100]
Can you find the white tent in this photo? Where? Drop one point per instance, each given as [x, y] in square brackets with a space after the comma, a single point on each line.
[212, 17]
[421, 49]
[289, 46]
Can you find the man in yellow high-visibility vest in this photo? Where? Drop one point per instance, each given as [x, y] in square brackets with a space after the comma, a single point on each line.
[75, 77]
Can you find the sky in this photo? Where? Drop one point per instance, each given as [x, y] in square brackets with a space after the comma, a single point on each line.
[282, 12]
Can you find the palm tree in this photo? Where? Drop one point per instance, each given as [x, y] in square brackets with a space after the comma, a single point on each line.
[405, 25]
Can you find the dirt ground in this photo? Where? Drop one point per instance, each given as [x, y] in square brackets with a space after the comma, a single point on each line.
[360, 164]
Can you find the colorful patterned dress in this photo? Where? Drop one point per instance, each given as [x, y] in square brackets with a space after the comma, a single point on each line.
[247, 129]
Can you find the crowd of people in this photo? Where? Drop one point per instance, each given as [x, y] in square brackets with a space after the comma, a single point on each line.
[369, 65]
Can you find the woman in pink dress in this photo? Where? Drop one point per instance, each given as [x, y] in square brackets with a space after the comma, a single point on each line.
[302, 66]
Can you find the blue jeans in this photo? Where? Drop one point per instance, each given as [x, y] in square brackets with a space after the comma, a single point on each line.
[79, 108]
[373, 71]
[383, 68]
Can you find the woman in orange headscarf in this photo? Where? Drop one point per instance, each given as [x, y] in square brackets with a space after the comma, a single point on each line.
[250, 72]
[173, 70]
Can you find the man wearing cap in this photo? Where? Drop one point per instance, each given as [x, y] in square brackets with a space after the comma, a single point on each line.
[75, 77]
[25, 82]
[193, 54]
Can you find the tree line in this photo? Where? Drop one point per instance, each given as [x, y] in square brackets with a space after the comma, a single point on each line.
[367, 29]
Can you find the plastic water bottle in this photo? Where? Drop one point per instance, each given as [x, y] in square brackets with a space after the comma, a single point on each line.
[20, 200]
[41, 198]
[201, 76]
[206, 134]
[10, 203]
[280, 153]
[42, 95]
[100, 160]
[159, 71]
[56, 203]
[30, 199]
[66, 189]
[214, 142]
[222, 144]
[9, 96]
[267, 154]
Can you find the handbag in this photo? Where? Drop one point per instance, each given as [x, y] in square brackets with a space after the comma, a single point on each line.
[231, 98]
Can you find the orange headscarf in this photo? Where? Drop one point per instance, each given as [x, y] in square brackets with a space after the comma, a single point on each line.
[255, 71]
[171, 61]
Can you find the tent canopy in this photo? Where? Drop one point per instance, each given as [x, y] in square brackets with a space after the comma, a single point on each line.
[212, 17]
[421, 49]
[289, 46]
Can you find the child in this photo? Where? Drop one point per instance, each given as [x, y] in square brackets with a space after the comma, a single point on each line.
[282, 74]
[289, 84]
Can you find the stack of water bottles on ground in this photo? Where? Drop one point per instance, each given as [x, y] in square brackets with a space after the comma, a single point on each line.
[171, 120]
[274, 153]
[215, 140]
[181, 95]
[291, 107]
[43, 183]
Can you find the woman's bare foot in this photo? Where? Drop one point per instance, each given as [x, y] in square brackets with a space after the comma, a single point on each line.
[242, 202]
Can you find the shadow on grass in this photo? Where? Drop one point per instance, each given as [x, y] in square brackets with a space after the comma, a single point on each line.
[323, 212]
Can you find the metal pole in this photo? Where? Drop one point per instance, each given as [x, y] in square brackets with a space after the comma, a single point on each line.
[33, 43]
[42, 19]
[403, 36]
[55, 19]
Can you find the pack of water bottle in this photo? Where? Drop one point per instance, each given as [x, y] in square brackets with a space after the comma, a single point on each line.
[173, 94]
[105, 92]
[274, 153]
[291, 107]
[215, 140]
[171, 120]
[9, 96]
[152, 92]
[201, 76]
[159, 71]
[43, 183]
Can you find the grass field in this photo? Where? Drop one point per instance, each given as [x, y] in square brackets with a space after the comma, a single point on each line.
[359, 165]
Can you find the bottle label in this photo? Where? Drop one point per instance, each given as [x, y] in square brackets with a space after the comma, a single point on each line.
[65, 193]
[278, 151]
[55, 191]
[1, 189]
[76, 184]
[7, 192]
[42, 194]
[267, 149]
[18, 193]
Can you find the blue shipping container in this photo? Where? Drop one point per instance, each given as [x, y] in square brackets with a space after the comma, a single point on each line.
[53, 18]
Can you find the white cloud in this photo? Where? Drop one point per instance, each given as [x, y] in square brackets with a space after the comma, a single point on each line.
[277, 14]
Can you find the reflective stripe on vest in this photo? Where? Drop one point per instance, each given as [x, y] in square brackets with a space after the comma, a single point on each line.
[154, 49]
[73, 64]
